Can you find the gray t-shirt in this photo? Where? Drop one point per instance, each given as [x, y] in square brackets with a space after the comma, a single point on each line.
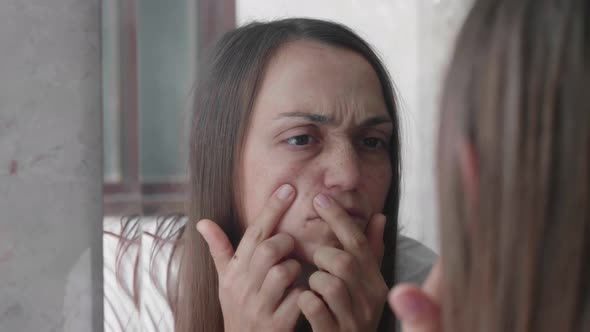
[414, 261]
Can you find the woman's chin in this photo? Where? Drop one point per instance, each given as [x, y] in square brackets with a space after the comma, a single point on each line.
[304, 250]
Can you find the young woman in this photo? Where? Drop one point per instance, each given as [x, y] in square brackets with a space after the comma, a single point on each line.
[514, 175]
[295, 175]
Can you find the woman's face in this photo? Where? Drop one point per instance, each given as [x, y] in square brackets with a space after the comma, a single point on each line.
[319, 123]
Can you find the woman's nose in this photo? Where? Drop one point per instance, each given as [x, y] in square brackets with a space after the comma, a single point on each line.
[342, 168]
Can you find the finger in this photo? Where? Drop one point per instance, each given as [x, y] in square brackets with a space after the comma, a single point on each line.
[265, 223]
[288, 311]
[341, 264]
[335, 294]
[415, 310]
[316, 312]
[219, 246]
[268, 254]
[432, 285]
[351, 238]
[278, 279]
[374, 231]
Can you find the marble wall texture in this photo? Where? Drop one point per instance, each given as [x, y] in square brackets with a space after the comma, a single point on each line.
[50, 166]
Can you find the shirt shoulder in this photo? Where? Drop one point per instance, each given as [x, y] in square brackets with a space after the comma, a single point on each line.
[414, 260]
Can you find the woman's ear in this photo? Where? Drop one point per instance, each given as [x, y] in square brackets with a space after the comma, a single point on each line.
[469, 168]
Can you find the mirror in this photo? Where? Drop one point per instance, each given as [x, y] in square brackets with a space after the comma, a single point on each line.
[151, 51]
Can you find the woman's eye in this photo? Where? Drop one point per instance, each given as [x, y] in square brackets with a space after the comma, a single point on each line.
[374, 143]
[300, 140]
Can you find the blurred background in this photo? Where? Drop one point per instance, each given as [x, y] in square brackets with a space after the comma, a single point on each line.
[94, 113]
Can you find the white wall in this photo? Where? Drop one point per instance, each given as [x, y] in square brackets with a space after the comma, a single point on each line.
[414, 38]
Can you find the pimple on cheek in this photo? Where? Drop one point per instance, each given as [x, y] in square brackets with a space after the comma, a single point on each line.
[304, 177]
[293, 170]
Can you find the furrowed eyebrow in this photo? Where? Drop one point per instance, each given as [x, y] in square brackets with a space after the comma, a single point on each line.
[311, 117]
[375, 121]
[322, 119]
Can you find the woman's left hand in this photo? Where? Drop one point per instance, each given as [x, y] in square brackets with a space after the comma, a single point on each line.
[418, 309]
[348, 292]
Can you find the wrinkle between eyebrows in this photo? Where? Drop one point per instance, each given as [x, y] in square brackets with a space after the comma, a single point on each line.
[327, 120]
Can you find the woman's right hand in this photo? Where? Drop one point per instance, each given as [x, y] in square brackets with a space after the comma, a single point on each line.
[253, 281]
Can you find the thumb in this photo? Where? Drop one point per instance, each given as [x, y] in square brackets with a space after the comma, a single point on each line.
[415, 310]
[374, 233]
[219, 246]
[432, 285]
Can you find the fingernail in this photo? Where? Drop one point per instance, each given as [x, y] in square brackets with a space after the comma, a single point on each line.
[285, 192]
[411, 307]
[197, 226]
[322, 200]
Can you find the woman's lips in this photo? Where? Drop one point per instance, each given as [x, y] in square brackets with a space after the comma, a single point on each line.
[355, 214]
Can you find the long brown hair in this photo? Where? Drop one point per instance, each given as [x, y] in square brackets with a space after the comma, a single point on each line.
[222, 109]
[516, 245]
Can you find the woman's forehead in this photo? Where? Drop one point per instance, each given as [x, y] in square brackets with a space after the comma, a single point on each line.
[308, 76]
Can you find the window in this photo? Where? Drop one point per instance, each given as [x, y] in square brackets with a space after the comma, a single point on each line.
[150, 53]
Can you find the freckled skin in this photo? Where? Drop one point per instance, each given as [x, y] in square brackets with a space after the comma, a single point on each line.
[306, 76]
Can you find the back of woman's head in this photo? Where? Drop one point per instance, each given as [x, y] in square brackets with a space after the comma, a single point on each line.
[514, 169]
